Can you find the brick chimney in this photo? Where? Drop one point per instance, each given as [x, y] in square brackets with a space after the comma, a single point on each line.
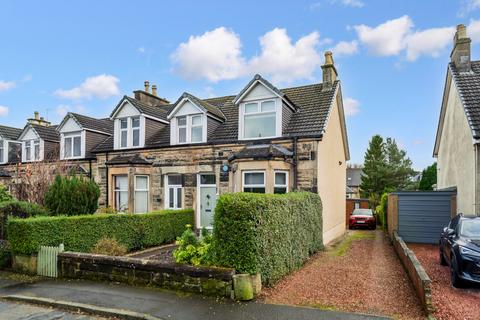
[329, 72]
[460, 55]
[38, 120]
[150, 98]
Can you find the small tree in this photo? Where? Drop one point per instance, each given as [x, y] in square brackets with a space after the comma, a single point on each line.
[72, 196]
[429, 177]
[374, 179]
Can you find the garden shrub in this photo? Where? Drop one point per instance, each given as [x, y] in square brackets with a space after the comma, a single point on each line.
[266, 233]
[72, 195]
[4, 194]
[5, 255]
[109, 247]
[18, 209]
[192, 250]
[81, 233]
[381, 210]
[107, 210]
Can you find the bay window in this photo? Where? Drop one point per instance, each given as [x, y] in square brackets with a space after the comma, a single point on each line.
[173, 192]
[129, 132]
[254, 181]
[259, 119]
[121, 193]
[190, 128]
[141, 194]
[72, 145]
[281, 182]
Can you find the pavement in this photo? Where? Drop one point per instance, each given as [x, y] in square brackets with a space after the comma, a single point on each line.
[17, 311]
[152, 303]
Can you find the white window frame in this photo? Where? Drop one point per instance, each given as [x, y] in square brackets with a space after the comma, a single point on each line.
[277, 112]
[189, 127]
[32, 144]
[244, 185]
[72, 136]
[275, 185]
[175, 193]
[129, 130]
[147, 190]
[115, 191]
[4, 156]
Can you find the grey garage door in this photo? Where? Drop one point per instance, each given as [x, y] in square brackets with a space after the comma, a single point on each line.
[423, 215]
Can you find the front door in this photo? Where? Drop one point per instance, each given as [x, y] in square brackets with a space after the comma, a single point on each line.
[208, 199]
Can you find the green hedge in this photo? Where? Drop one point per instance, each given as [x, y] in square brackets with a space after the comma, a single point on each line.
[265, 233]
[18, 209]
[81, 233]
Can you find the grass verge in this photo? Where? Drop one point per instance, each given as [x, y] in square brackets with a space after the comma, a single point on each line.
[341, 248]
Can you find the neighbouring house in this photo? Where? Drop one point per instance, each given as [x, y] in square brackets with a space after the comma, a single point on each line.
[10, 148]
[40, 140]
[354, 179]
[458, 134]
[152, 154]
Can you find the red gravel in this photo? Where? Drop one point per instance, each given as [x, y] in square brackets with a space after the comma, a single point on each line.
[451, 303]
[367, 279]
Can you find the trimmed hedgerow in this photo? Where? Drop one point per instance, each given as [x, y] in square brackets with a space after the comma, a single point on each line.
[81, 233]
[18, 209]
[265, 233]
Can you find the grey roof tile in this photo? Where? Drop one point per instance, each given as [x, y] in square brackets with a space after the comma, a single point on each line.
[89, 123]
[46, 133]
[10, 133]
[262, 151]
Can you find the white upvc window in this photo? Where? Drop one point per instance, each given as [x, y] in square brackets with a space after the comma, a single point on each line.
[253, 181]
[190, 128]
[280, 185]
[121, 193]
[3, 153]
[32, 150]
[260, 119]
[173, 192]
[72, 145]
[141, 193]
[130, 132]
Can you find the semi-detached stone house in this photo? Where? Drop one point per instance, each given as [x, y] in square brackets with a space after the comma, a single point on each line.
[457, 145]
[151, 154]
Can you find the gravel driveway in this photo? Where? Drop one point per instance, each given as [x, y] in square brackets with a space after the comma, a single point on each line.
[360, 274]
[451, 303]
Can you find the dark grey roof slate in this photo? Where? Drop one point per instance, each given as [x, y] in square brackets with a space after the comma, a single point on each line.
[10, 133]
[133, 159]
[47, 133]
[262, 151]
[159, 111]
[214, 110]
[313, 107]
[89, 123]
[354, 176]
[468, 86]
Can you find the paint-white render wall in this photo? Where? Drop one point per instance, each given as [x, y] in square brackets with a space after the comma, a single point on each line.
[332, 172]
[456, 154]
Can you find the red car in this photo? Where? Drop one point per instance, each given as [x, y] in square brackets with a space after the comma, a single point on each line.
[362, 218]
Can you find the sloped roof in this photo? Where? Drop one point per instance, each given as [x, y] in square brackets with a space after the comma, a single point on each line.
[262, 151]
[158, 111]
[46, 133]
[131, 159]
[10, 133]
[89, 123]
[313, 108]
[209, 108]
[468, 86]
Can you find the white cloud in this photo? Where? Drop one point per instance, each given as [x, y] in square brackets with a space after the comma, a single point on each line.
[351, 106]
[473, 30]
[102, 86]
[7, 85]
[353, 3]
[386, 39]
[429, 42]
[345, 48]
[468, 6]
[214, 55]
[141, 50]
[3, 111]
[285, 61]
[63, 109]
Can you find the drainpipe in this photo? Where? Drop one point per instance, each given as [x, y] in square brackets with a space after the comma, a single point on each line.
[106, 183]
[295, 164]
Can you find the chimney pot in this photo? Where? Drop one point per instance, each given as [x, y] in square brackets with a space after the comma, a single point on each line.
[37, 115]
[329, 72]
[147, 86]
[154, 90]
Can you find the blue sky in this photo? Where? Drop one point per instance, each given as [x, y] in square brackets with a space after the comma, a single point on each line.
[82, 56]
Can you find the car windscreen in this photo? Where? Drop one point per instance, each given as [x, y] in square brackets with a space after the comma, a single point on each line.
[362, 212]
[470, 229]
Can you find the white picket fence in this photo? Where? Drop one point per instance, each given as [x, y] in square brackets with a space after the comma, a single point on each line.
[47, 261]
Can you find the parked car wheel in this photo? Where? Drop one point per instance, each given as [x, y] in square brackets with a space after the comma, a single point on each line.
[443, 261]
[456, 281]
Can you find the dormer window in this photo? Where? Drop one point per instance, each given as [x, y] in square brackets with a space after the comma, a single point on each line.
[190, 128]
[32, 150]
[130, 132]
[2, 152]
[260, 119]
[72, 145]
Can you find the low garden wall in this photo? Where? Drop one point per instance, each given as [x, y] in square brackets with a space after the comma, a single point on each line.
[420, 279]
[266, 233]
[81, 233]
[204, 280]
